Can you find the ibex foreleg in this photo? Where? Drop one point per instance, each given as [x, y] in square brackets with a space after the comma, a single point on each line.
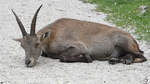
[73, 54]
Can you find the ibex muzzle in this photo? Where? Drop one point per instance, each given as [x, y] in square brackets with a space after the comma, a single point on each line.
[72, 40]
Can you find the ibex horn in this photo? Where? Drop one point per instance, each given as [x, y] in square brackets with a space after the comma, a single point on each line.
[24, 33]
[33, 24]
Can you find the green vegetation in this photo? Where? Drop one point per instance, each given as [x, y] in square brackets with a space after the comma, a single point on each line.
[127, 13]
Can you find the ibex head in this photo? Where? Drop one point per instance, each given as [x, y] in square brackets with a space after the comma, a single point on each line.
[29, 42]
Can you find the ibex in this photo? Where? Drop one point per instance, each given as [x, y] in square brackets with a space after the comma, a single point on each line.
[72, 40]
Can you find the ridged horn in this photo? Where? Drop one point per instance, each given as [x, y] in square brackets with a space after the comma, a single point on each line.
[33, 24]
[24, 33]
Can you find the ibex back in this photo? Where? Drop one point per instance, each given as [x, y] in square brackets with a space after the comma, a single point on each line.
[73, 40]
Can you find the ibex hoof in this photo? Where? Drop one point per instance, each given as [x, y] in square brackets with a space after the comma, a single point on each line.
[63, 59]
[87, 59]
[127, 61]
[43, 54]
[114, 61]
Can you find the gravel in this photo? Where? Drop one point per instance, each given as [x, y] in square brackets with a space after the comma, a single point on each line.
[50, 71]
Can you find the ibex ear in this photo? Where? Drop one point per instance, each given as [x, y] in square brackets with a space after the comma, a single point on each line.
[18, 39]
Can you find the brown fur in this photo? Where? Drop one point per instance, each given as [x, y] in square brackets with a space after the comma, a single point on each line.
[72, 40]
[72, 30]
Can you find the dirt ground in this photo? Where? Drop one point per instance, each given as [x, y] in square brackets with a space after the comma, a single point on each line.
[50, 71]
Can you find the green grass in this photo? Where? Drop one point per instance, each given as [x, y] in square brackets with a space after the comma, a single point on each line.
[126, 13]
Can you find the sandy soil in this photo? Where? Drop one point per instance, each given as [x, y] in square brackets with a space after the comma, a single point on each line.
[50, 71]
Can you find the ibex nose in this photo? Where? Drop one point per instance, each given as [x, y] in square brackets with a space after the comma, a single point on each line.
[30, 62]
[27, 62]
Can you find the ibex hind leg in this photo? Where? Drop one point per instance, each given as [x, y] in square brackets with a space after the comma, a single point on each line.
[114, 58]
[137, 55]
[127, 59]
[131, 58]
[139, 59]
[132, 50]
[73, 54]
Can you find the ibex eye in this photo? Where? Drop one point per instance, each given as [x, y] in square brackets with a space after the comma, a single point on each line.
[36, 45]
